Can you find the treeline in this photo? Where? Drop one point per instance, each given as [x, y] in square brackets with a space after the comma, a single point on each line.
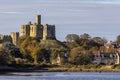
[82, 47]
[77, 50]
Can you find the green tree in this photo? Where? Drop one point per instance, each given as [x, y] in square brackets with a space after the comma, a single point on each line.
[80, 56]
[100, 41]
[35, 53]
[83, 59]
[85, 41]
[11, 49]
[96, 42]
[85, 36]
[5, 57]
[72, 40]
[27, 46]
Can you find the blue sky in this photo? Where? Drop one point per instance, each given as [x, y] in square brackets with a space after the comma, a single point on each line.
[95, 17]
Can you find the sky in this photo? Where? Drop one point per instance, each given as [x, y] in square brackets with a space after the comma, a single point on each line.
[95, 17]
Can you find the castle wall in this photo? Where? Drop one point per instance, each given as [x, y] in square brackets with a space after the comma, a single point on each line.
[7, 38]
[45, 32]
[33, 31]
[48, 32]
[25, 30]
[38, 30]
[14, 36]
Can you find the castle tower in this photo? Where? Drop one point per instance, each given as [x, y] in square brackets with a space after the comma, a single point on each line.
[45, 32]
[38, 20]
[14, 36]
[36, 30]
[25, 30]
[33, 30]
[49, 32]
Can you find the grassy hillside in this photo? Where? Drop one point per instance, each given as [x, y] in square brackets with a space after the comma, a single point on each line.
[52, 44]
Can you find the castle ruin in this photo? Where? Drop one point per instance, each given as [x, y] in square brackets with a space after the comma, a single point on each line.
[14, 36]
[38, 30]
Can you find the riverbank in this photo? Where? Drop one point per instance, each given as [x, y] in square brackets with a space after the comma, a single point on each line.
[86, 68]
[58, 68]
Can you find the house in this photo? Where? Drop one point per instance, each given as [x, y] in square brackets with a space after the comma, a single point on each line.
[106, 58]
[113, 45]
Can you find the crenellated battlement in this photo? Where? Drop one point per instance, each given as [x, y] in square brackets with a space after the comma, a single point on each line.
[38, 30]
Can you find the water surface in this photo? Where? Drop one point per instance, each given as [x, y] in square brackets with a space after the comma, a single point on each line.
[62, 76]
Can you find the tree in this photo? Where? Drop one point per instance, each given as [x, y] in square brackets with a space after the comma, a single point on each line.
[80, 56]
[83, 59]
[118, 39]
[11, 49]
[72, 40]
[35, 53]
[85, 36]
[98, 41]
[27, 46]
[85, 41]
[5, 57]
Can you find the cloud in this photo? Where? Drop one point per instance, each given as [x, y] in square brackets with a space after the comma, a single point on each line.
[69, 16]
[11, 12]
[82, 1]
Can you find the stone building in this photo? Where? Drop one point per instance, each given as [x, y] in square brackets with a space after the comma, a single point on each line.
[7, 38]
[25, 30]
[48, 31]
[38, 30]
[14, 36]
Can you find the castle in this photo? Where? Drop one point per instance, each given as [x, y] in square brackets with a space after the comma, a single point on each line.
[36, 30]
[12, 38]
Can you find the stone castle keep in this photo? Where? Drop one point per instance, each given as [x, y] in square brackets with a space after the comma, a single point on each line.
[36, 30]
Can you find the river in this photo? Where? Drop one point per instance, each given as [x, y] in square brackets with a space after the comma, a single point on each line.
[62, 76]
